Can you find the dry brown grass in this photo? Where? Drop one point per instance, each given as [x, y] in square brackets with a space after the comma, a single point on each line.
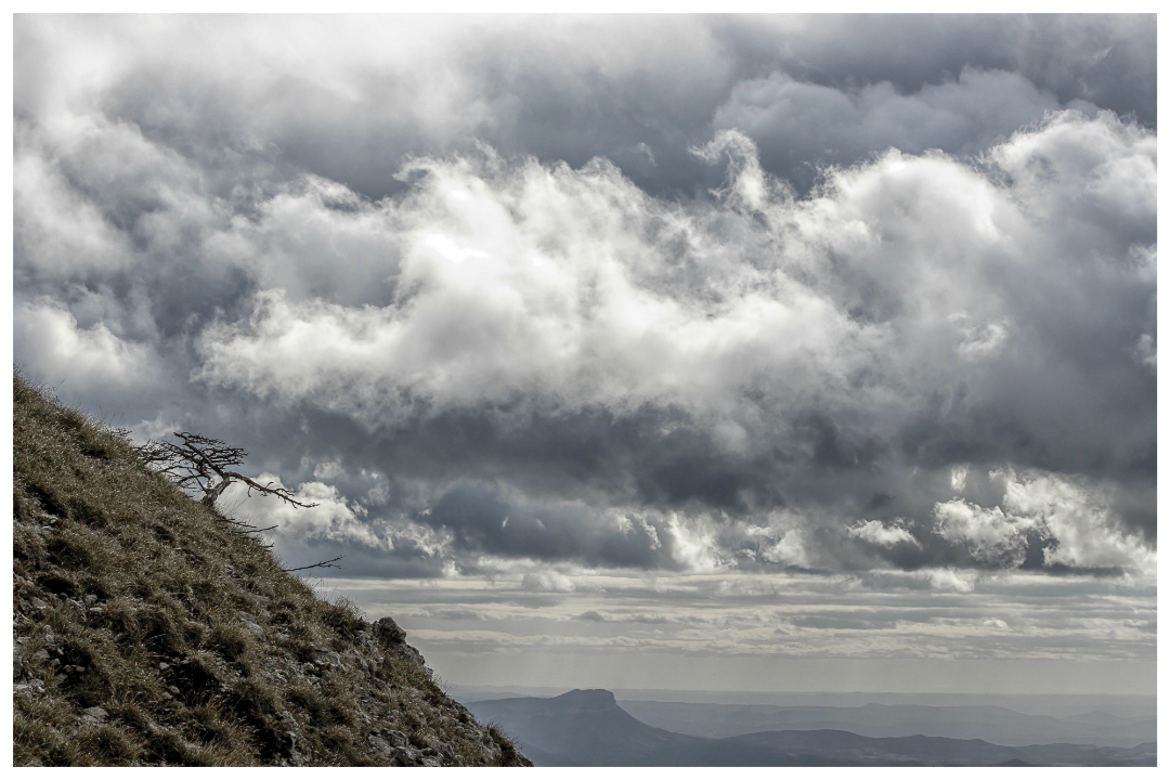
[130, 596]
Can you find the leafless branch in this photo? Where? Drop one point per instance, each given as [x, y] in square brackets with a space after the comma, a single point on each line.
[204, 465]
[329, 564]
[257, 530]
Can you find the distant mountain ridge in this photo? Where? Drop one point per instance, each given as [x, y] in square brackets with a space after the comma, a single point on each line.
[994, 724]
[589, 728]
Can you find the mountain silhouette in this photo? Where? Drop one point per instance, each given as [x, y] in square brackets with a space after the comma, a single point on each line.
[589, 728]
[999, 725]
[581, 728]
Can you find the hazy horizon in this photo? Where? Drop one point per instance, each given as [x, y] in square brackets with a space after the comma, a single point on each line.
[803, 697]
[1054, 705]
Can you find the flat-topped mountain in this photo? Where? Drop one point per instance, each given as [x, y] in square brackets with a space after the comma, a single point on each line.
[149, 630]
[592, 698]
[580, 728]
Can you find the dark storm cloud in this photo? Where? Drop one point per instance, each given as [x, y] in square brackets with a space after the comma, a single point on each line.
[483, 520]
[964, 116]
[684, 309]
[1107, 60]
[357, 561]
[572, 89]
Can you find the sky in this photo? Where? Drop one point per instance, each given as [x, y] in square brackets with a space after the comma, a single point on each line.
[682, 352]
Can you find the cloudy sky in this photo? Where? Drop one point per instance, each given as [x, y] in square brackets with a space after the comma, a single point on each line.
[691, 352]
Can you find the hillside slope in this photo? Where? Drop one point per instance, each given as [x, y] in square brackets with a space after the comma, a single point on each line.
[147, 630]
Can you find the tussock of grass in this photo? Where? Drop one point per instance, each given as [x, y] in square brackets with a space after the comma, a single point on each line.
[148, 631]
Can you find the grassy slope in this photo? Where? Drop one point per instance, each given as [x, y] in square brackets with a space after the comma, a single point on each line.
[132, 597]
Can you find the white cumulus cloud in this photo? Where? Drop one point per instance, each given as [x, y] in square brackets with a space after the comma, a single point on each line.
[876, 532]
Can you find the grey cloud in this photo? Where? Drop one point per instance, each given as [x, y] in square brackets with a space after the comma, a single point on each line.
[560, 88]
[849, 622]
[963, 117]
[458, 614]
[1105, 59]
[269, 251]
[988, 620]
[358, 561]
[484, 520]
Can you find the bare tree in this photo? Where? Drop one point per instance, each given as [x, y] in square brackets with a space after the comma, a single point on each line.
[204, 465]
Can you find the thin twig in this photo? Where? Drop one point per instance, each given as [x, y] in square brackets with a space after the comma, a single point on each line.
[254, 530]
[323, 564]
